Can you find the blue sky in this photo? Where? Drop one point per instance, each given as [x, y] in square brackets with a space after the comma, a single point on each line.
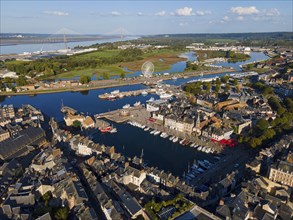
[146, 17]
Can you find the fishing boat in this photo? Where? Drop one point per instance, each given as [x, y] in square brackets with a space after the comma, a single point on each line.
[105, 129]
[157, 133]
[114, 130]
[144, 92]
[146, 129]
[181, 142]
[175, 139]
[136, 104]
[126, 106]
[151, 99]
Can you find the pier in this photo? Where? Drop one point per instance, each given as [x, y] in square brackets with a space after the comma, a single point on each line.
[117, 94]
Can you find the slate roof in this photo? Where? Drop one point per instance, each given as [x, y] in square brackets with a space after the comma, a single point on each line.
[18, 142]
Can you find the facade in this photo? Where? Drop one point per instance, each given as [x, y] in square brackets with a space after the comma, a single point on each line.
[283, 173]
[7, 111]
[4, 134]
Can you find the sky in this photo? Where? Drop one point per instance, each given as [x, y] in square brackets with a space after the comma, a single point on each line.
[145, 17]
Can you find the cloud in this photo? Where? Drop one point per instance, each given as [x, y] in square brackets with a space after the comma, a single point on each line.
[226, 18]
[186, 11]
[115, 13]
[161, 13]
[56, 13]
[272, 12]
[183, 24]
[252, 10]
[140, 14]
[202, 13]
[240, 18]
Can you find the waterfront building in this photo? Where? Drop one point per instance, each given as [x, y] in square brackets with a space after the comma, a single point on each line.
[283, 171]
[4, 134]
[7, 111]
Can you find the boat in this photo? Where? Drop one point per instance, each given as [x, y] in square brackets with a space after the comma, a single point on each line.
[192, 145]
[181, 142]
[171, 138]
[186, 142]
[199, 148]
[111, 97]
[157, 132]
[115, 92]
[126, 106]
[114, 130]
[151, 99]
[144, 92]
[174, 78]
[136, 104]
[175, 139]
[164, 135]
[153, 131]
[165, 96]
[105, 129]
[146, 129]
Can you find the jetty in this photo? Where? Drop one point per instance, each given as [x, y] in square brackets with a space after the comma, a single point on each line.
[69, 110]
[117, 94]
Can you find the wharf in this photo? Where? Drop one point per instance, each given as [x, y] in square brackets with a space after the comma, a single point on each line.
[66, 109]
[101, 123]
[126, 94]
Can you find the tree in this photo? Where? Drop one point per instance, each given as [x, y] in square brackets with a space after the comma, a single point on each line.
[76, 124]
[61, 213]
[262, 124]
[227, 88]
[224, 79]
[255, 142]
[122, 75]
[21, 80]
[84, 79]
[106, 76]
[235, 82]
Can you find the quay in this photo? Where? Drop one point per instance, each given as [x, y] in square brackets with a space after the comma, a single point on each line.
[117, 94]
[141, 116]
[69, 110]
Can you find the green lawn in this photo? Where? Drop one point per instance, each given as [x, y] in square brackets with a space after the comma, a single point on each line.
[111, 70]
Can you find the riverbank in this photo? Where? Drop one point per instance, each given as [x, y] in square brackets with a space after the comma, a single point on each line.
[98, 84]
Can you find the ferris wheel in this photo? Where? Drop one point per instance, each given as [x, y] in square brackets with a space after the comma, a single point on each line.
[147, 69]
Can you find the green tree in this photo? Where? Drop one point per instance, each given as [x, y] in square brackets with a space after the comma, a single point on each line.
[76, 124]
[106, 76]
[122, 75]
[227, 88]
[255, 142]
[61, 213]
[84, 79]
[262, 124]
[235, 82]
[21, 81]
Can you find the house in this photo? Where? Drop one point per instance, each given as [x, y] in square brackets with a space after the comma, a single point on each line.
[4, 134]
[88, 122]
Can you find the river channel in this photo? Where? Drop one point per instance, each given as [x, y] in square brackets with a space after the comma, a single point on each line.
[128, 140]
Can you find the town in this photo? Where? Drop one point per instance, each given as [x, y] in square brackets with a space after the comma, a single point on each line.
[54, 170]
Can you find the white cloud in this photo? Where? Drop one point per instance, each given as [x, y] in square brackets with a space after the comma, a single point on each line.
[226, 18]
[272, 12]
[139, 13]
[186, 11]
[115, 13]
[244, 10]
[183, 24]
[161, 13]
[202, 13]
[240, 18]
[56, 13]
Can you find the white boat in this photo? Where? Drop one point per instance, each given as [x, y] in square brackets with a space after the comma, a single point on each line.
[151, 99]
[203, 149]
[208, 150]
[175, 139]
[200, 147]
[164, 135]
[146, 129]
[192, 145]
[136, 104]
[153, 131]
[181, 142]
[165, 96]
[157, 132]
[114, 130]
[144, 92]
[174, 77]
[115, 92]
[171, 138]
[126, 106]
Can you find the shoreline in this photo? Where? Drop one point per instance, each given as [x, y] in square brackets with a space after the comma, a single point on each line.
[102, 84]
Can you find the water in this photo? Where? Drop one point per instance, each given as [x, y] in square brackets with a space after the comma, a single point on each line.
[21, 48]
[128, 140]
[254, 56]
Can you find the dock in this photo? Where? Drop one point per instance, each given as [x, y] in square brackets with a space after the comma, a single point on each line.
[69, 110]
[118, 94]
